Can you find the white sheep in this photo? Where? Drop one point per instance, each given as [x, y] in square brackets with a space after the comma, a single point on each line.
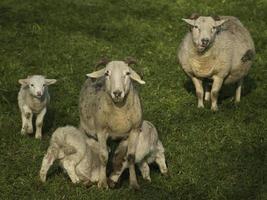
[110, 107]
[219, 49]
[77, 154]
[33, 98]
[149, 149]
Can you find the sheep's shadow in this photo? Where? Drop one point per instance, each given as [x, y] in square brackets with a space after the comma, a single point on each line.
[227, 91]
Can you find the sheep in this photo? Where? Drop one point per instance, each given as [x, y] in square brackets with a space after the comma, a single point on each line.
[149, 149]
[77, 153]
[219, 49]
[110, 107]
[33, 98]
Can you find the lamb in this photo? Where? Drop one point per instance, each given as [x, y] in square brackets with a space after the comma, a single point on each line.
[77, 154]
[219, 49]
[110, 107]
[33, 98]
[149, 149]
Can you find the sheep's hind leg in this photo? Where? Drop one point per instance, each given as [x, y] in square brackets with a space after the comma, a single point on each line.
[145, 170]
[238, 91]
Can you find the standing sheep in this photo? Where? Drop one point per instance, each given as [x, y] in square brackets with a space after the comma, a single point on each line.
[149, 149]
[110, 107]
[77, 154]
[33, 98]
[219, 49]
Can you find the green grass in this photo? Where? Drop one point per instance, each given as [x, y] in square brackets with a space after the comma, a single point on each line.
[210, 155]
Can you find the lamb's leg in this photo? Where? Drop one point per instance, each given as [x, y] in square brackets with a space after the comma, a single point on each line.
[24, 125]
[216, 86]
[133, 136]
[115, 175]
[47, 162]
[39, 124]
[145, 170]
[103, 156]
[160, 159]
[238, 91]
[69, 166]
[199, 91]
[27, 127]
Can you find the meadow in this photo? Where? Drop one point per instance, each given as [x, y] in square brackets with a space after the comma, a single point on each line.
[210, 156]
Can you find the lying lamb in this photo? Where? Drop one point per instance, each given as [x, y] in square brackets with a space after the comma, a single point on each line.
[77, 154]
[33, 98]
[149, 149]
[216, 48]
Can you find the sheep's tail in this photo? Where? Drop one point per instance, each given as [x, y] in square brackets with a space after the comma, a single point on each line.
[48, 160]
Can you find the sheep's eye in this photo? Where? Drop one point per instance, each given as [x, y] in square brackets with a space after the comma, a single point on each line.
[128, 73]
[214, 27]
[44, 85]
[106, 73]
[32, 85]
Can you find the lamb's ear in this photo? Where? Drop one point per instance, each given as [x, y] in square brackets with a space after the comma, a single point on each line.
[136, 77]
[24, 82]
[189, 21]
[221, 22]
[97, 74]
[50, 81]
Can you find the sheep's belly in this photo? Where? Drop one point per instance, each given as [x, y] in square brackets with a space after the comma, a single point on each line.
[201, 67]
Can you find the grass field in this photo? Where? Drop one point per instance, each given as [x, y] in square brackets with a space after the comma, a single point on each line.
[210, 155]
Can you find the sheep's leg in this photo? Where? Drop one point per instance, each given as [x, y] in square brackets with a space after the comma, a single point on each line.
[115, 175]
[145, 170]
[47, 162]
[199, 91]
[24, 127]
[69, 166]
[27, 126]
[207, 92]
[103, 156]
[238, 91]
[133, 136]
[39, 124]
[216, 86]
[160, 159]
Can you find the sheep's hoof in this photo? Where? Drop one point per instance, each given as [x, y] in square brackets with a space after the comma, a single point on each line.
[38, 136]
[88, 183]
[135, 186]
[42, 177]
[166, 174]
[148, 179]
[112, 184]
[102, 184]
[214, 108]
[200, 106]
[23, 132]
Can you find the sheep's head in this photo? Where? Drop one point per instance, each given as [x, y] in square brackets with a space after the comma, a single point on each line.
[118, 76]
[37, 84]
[204, 30]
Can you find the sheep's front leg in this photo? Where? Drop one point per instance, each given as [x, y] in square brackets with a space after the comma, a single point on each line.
[26, 116]
[131, 157]
[199, 91]
[238, 91]
[115, 175]
[103, 156]
[39, 124]
[47, 162]
[216, 86]
[145, 170]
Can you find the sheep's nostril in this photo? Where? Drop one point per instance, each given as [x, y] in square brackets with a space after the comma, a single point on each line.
[117, 93]
[205, 41]
[39, 93]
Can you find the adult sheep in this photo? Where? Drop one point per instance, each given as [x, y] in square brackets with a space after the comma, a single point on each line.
[110, 107]
[216, 48]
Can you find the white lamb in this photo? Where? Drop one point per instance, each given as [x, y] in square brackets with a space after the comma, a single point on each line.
[33, 98]
[77, 154]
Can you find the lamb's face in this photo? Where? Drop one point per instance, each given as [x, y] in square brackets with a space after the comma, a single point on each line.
[118, 77]
[37, 84]
[204, 31]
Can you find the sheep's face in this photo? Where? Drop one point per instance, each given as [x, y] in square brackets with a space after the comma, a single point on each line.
[204, 31]
[118, 76]
[37, 84]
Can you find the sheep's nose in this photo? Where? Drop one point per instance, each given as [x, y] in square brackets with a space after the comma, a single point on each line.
[39, 93]
[117, 93]
[205, 41]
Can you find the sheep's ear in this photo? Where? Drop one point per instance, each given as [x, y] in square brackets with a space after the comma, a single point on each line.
[189, 21]
[221, 22]
[97, 74]
[136, 77]
[24, 82]
[50, 81]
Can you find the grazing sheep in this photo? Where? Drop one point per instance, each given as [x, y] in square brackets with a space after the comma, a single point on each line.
[77, 154]
[110, 107]
[33, 98]
[219, 49]
[149, 149]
